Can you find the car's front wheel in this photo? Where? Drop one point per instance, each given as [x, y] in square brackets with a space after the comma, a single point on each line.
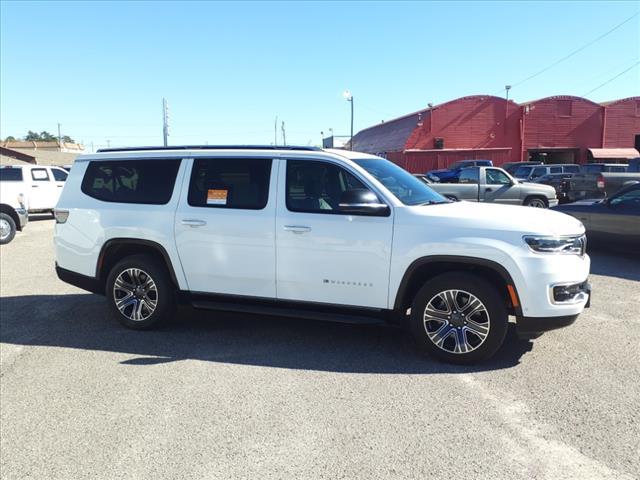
[140, 292]
[536, 202]
[7, 228]
[459, 318]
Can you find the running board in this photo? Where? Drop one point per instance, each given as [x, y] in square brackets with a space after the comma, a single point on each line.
[273, 310]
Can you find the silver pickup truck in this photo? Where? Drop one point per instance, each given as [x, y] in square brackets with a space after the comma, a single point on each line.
[492, 184]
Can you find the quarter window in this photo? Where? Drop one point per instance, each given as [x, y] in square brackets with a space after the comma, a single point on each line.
[148, 181]
[39, 175]
[241, 183]
[317, 187]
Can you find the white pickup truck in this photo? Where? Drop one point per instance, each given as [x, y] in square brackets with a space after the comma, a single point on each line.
[13, 211]
[41, 185]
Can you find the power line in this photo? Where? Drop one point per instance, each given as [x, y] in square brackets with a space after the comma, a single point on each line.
[566, 57]
[612, 78]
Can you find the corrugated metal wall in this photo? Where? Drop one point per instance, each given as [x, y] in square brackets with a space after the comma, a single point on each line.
[563, 122]
[622, 123]
[479, 122]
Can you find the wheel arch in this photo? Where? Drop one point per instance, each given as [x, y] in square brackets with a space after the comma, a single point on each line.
[9, 210]
[426, 268]
[116, 249]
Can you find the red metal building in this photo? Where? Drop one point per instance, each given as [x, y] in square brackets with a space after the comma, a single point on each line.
[559, 129]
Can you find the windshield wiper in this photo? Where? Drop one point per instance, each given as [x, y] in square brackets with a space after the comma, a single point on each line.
[432, 202]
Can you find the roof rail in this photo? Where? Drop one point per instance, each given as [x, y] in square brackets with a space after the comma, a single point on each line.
[210, 147]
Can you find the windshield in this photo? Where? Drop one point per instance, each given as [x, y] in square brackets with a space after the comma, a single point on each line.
[407, 188]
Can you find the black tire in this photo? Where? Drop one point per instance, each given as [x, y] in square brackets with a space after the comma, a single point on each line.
[494, 316]
[537, 202]
[164, 297]
[7, 222]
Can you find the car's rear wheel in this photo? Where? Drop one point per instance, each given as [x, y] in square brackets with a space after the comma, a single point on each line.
[7, 228]
[536, 202]
[459, 318]
[140, 292]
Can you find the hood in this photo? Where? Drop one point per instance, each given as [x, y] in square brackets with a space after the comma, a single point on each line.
[506, 218]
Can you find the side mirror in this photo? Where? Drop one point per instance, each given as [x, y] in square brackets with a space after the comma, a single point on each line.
[362, 202]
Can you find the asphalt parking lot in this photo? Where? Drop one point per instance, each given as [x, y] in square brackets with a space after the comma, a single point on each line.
[236, 396]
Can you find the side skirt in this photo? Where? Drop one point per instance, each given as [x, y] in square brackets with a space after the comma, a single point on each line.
[289, 309]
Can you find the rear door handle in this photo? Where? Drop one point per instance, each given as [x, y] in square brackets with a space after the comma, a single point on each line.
[297, 228]
[193, 223]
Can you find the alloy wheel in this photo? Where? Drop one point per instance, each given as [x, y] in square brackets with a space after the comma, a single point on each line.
[5, 229]
[456, 321]
[135, 294]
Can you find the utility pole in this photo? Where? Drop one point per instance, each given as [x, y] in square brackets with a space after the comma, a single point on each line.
[275, 132]
[284, 135]
[59, 136]
[165, 121]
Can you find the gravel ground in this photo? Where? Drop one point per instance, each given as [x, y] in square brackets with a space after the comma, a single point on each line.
[238, 396]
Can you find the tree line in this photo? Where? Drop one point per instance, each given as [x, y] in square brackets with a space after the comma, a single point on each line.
[43, 136]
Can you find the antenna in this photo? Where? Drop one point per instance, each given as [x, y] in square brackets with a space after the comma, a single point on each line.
[284, 135]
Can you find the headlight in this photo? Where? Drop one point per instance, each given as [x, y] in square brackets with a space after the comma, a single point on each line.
[570, 245]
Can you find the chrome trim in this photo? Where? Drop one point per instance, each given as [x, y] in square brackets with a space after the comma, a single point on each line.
[581, 296]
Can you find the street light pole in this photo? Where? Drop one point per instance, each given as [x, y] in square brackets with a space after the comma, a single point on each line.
[349, 97]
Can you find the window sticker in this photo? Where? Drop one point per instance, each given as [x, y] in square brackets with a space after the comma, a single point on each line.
[216, 197]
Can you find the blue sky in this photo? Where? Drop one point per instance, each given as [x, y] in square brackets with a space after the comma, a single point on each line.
[227, 69]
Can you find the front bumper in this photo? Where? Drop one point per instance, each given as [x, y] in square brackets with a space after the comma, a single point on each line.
[531, 327]
[23, 216]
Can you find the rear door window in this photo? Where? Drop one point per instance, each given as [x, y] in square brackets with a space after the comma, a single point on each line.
[241, 183]
[538, 172]
[469, 175]
[59, 175]
[555, 169]
[148, 181]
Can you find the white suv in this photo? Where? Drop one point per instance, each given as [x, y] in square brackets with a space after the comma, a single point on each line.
[324, 234]
[40, 184]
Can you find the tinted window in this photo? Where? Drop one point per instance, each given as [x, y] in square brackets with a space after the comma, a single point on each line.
[539, 171]
[592, 168]
[146, 181]
[619, 169]
[317, 187]
[631, 198]
[571, 168]
[39, 175]
[230, 183]
[59, 175]
[468, 175]
[406, 188]
[555, 169]
[496, 177]
[10, 174]
[523, 172]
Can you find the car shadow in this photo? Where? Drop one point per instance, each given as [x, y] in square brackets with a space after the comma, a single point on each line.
[82, 321]
[614, 264]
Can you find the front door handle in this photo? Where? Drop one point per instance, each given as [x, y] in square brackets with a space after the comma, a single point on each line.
[488, 189]
[193, 223]
[297, 228]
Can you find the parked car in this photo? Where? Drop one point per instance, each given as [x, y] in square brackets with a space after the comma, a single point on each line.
[604, 167]
[451, 174]
[325, 234]
[600, 180]
[612, 222]
[13, 212]
[511, 167]
[492, 184]
[41, 185]
[559, 181]
[531, 173]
